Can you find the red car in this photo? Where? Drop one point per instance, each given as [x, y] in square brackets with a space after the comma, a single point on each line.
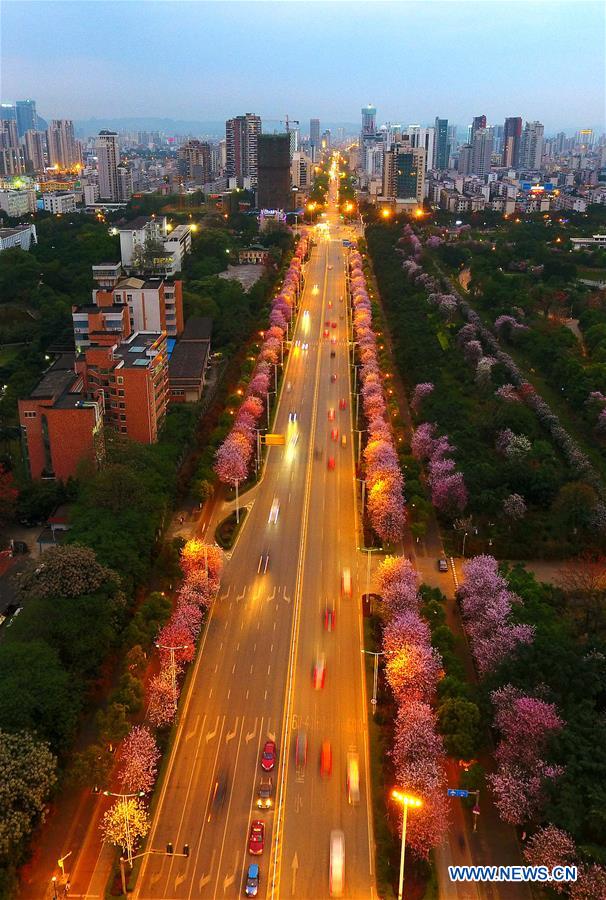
[334, 324]
[330, 304]
[342, 403]
[318, 675]
[331, 414]
[333, 377]
[326, 759]
[268, 759]
[326, 332]
[335, 434]
[256, 838]
[329, 619]
[331, 462]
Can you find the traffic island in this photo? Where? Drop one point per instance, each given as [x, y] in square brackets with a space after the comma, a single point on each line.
[227, 530]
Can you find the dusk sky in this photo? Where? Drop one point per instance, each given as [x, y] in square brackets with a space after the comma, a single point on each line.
[207, 61]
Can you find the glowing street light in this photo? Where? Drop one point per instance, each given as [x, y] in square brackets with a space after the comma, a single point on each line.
[386, 213]
[414, 802]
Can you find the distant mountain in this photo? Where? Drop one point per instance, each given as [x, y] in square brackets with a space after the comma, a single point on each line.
[88, 127]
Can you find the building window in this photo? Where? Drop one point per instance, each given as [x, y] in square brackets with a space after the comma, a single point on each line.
[120, 393]
[120, 379]
[122, 417]
[29, 414]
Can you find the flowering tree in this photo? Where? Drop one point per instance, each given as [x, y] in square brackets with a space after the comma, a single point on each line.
[386, 510]
[514, 506]
[508, 393]
[162, 708]
[590, 883]
[413, 673]
[174, 635]
[140, 755]
[196, 556]
[29, 771]
[486, 607]
[233, 457]
[125, 823]
[421, 391]
[398, 584]
[188, 617]
[550, 846]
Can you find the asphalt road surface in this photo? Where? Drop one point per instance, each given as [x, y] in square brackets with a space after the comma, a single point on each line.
[253, 678]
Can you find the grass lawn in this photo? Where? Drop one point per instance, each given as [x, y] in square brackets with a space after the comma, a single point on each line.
[227, 530]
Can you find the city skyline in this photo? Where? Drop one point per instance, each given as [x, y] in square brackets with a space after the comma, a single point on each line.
[445, 74]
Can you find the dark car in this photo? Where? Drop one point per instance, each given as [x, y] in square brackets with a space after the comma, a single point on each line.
[265, 792]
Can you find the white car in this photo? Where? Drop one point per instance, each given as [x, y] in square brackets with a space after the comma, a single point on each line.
[292, 415]
[274, 511]
[336, 875]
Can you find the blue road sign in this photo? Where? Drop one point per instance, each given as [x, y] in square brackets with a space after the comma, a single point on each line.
[456, 792]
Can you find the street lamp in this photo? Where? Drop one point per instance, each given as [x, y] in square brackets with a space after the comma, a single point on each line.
[406, 800]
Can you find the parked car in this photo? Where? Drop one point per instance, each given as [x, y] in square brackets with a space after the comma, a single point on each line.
[442, 565]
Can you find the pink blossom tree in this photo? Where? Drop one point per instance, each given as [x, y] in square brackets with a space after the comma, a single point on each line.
[162, 708]
[550, 846]
[139, 760]
[175, 634]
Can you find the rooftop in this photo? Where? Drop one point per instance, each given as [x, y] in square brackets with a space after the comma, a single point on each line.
[135, 352]
[188, 359]
[198, 328]
[135, 224]
[17, 229]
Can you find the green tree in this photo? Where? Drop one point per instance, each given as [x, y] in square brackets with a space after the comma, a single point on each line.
[112, 724]
[65, 571]
[459, 722]
[91, 768]
[28, 773]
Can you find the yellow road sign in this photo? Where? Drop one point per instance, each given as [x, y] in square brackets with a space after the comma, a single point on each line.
[275, 440]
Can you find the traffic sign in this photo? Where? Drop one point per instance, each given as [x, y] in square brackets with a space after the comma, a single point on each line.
[275, 440]
[456, 792]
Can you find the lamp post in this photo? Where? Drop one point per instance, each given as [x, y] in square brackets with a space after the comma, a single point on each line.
[375, 678]
[406, 801]
[124, 798]
[54, 884]
[173, 669]
[464, 538]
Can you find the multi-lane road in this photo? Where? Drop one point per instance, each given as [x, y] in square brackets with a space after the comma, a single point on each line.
[252, 681]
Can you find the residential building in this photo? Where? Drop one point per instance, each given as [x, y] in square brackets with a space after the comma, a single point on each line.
[11, 161]
[273, 184]
[19, 236]
[195, 159]
[16, 203]
[132, 377]
[27, 120]
[295, 138]
[35, 156]
[441, 146]
[63, 149]
[125, 182]
[481, 152]
[154, 304]
[108, 158]
[91, 193]
[59, 202]
[60, 425]
[100, 323]
[241, 137]
[596, 242]
[326, 139]
[189, 360]
[369, 125]
[301, 168]
[314, 138]
[147, 245]
[531, 146]
[478, 122]
[404, 173]
[512, 133]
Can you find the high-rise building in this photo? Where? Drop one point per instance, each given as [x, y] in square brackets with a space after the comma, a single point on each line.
[404, 172]
[273, 185]
[295, 139]
[314, 138]
[464, 165]
[9, 138]
[300, 171]
[441, 150]
[34, 151]
[63, 149]
[369, 121]
[195, 158]
[108, 158]
[125, 183]
[8, 111]
[241, 136]
[481, 152]
[512, 132]
[422, 137]
[326, 139]
[531, 146]
[478, 122]
[26, 116]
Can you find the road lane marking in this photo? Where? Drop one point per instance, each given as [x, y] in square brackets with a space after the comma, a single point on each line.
[231, 734]
[211, 734]
[193, 731]
[231, 794]
[251, 734]
[275, 857]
